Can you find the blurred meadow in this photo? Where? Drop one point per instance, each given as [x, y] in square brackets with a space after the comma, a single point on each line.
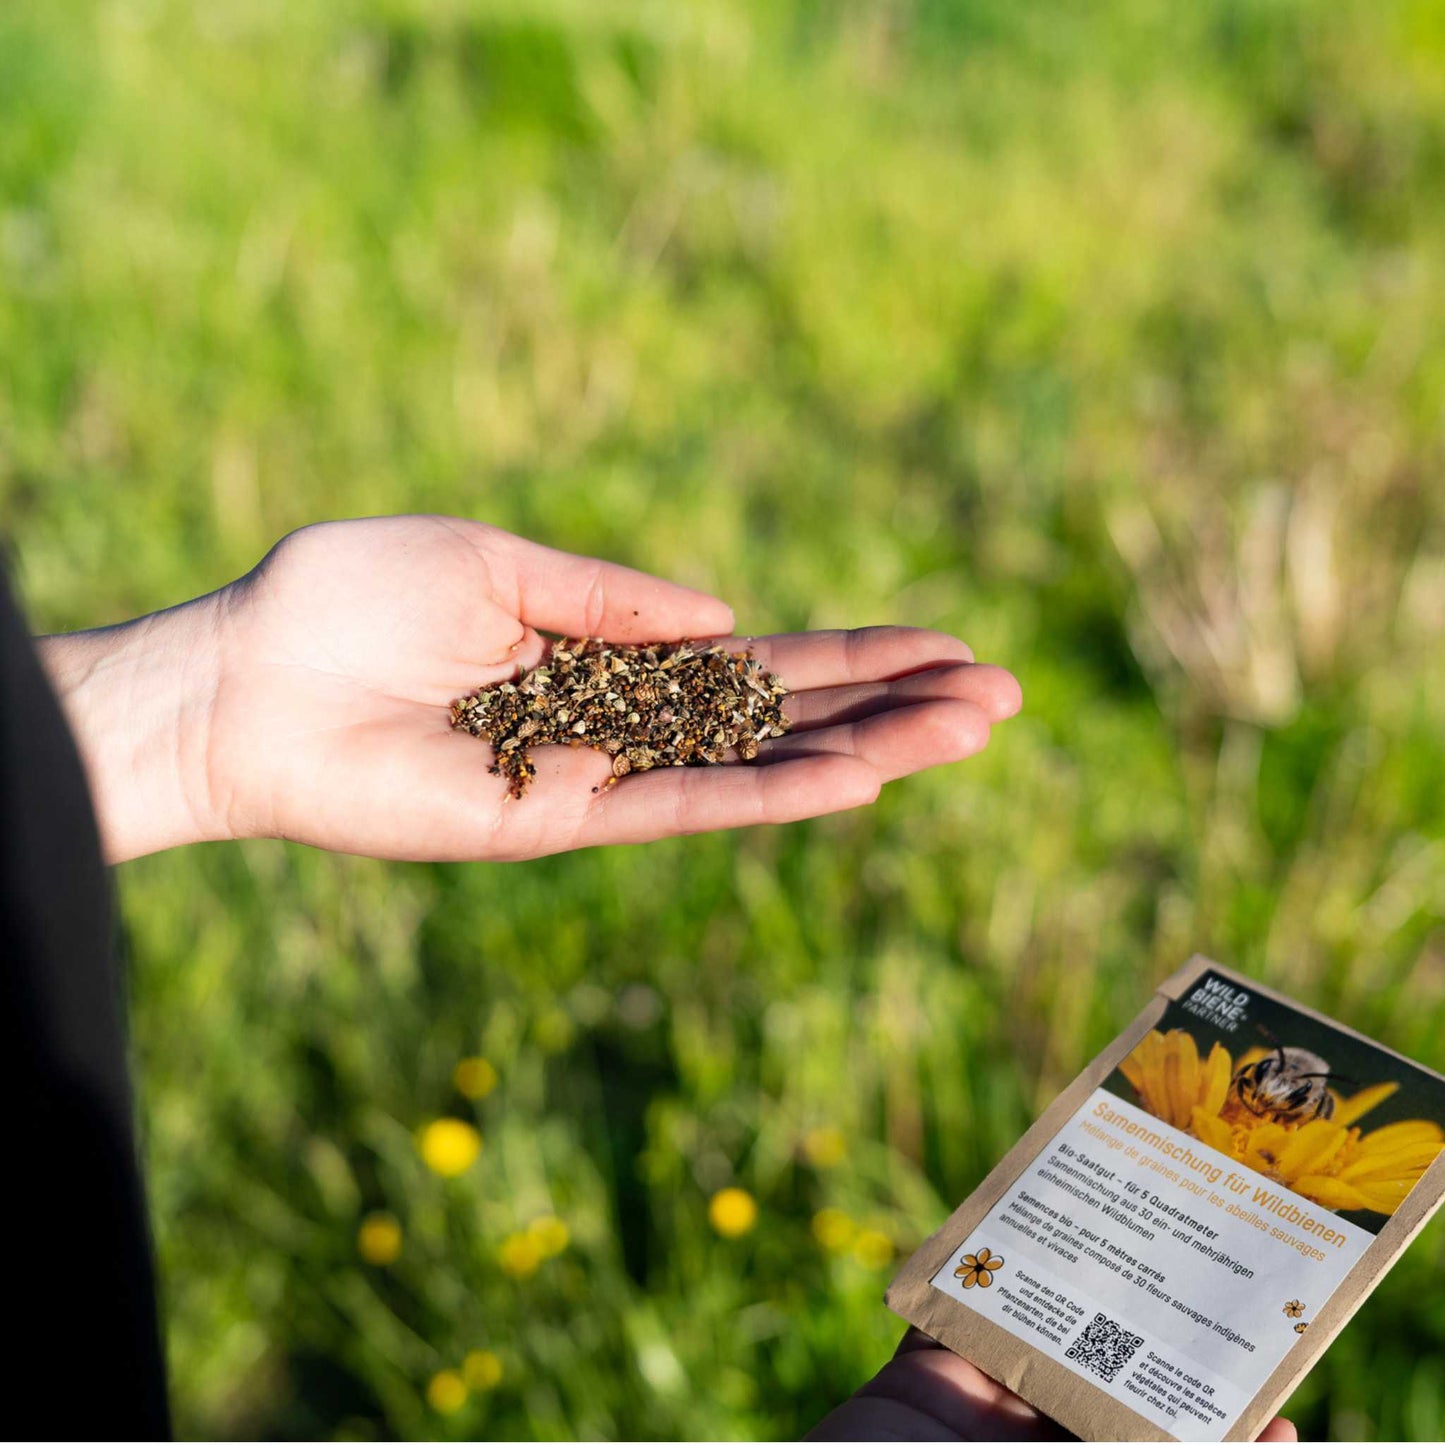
[1111, 337]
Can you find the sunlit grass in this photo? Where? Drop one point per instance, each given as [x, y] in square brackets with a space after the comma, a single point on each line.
[1112, 338]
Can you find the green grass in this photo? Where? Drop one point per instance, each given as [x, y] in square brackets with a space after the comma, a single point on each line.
[1111, 337]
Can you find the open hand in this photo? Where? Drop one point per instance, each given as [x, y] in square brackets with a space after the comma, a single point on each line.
[322, 681]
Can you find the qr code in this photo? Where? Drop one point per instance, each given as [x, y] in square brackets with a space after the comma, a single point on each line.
[1104, 1346]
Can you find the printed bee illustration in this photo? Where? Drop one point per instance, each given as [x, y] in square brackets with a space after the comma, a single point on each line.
[1289, 1085]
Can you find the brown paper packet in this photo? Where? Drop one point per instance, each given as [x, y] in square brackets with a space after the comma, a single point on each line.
[1067, 1393]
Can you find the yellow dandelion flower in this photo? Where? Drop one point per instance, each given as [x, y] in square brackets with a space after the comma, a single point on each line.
[551, 1234]
[520, 1255]
[1348, 1110]
[482, 1370]
[446, 1392]
[833, 1230]
[475, 1077]
[978, 1269]
[1337, 1166]
[825, 1148]
[449, 1147]
[873, 1249]
[1326, 1158]
[732, 1212]
[1212, 1130]
[1353, 1170]
[1171, 1079]
[378, 1240]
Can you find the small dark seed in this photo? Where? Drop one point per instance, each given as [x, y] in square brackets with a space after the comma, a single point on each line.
[659, 705]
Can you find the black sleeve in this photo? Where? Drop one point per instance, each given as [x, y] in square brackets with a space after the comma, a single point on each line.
[85, 1349]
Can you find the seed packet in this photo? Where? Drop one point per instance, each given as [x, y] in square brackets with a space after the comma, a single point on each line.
[1177, 1239]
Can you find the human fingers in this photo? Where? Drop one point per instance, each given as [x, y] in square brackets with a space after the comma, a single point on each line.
[866, 654]
[666, 802]
[798, 776]
[826, 772]
[961, 1396]
[992, 689]
[928, 1393]
[895, 743]
[585, 597]
[1279, 1429]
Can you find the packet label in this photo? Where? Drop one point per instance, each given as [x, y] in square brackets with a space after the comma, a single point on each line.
[1177, 1239]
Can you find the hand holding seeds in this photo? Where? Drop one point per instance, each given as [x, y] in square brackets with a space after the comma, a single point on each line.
[313, 700]
[669, 705]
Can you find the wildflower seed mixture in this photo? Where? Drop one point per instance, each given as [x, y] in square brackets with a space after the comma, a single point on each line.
[668, 704]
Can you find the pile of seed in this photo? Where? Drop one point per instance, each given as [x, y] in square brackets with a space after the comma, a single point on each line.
[670, 704]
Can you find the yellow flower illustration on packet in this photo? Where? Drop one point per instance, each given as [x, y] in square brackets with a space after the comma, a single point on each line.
[1276, 1111]
[978, 1269]
[1294, 1309]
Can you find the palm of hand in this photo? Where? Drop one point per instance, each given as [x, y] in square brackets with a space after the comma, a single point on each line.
[343, 649]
